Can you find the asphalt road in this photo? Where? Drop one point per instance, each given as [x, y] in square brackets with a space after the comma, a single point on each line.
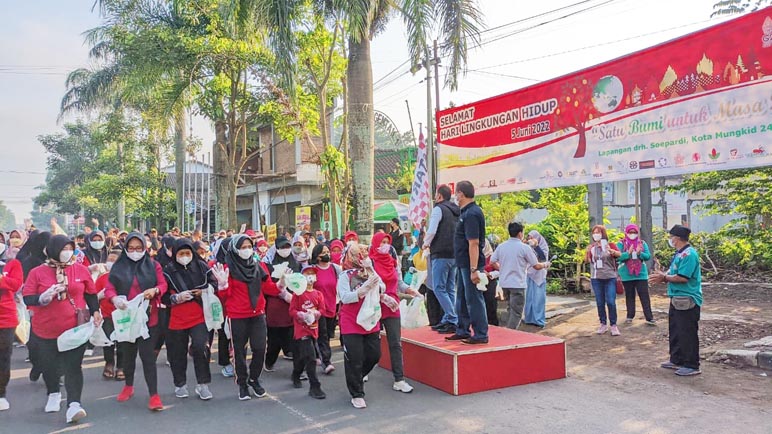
[592, 401]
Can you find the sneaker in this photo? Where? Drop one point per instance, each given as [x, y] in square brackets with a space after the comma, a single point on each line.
[358, 403]
[203, 392]
[54, 403]
[296, 383]
[615, 331]
[456, 337]
[89, 353]
[329, 369]
[317, 393]
[365, 378]
[438, 326]
[287, 356]
[628, 321]
[449, 329]
[687, 372]
[474, 341]
[402, 386]
[181, 392]
[256, 388]
[155, 404]
[303, 377]
[75, 412]
[670, 365]
[602, 329]
[126, 394]
[651, 322]
[4, 404]
[227, 371]
[244, 393]
[268, 368]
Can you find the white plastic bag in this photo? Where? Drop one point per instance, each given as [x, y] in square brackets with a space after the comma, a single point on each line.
[370, 312]
[483, 285]
[213, 314]
[131, 323]
[413, 313]
[99, 338]
[227, 329]
[419, 277]
[75, 337]
[22, 330]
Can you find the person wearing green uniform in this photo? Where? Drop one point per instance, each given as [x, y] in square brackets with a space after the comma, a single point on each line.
[684, 287]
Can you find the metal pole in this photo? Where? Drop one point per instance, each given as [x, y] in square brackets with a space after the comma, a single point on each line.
[429, 113]
[433, 167]
[410, 119]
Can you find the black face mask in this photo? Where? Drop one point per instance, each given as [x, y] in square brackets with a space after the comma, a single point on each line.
[81, 245]
[324, 258]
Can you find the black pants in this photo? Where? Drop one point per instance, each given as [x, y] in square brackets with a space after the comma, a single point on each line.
[304, 358]
[146, 350]
[326, 333]
[252, 330]
[6, 348]
[393, 337]
[109, 353]
[642, 288]
[491, 304]
[684, 339]
[433, 308]
[279, 339]
[177, 353]
[163, 326]
[223, 348]
[53, 364]
[361, 354]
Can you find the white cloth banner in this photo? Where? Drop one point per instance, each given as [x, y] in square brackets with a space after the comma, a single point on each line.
[419, 196]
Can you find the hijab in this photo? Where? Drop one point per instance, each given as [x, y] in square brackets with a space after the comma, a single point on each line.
[336, 257]
[383, 263]
[634, 266]
[168, 243]
[192, 276]
[224, 246]
[55, 245]
[298, 238]
[96, 256]
[541, 243]
[34, 251]
[539, 276]
[124, 271]
[244, 270]
[13, 252]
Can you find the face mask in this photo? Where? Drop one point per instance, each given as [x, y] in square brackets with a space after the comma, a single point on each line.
[320, 238]
[311, 279]
[384, 249]
[324, 258]
[97, 245]
[284, 252]
[671, 243]
[245, 253]
[135, 256]
[15, 242]
[350, 243]
[65, 256]
[597, 237]
[297, 249]
[632, 236]
[184, 260]
[262, 249]
[81, 245]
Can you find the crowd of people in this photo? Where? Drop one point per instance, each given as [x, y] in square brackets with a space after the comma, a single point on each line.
[290, 296]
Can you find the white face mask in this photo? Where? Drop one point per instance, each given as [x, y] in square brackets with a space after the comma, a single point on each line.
[350, 243]
[384, 249]
[597, 237]
[245, 253]
[184, 260]
[135, 256]
[284, 252]
[97, 245]
[632, 236]
[670, 242]
[65, 256]
[311, 279]
[297, 249]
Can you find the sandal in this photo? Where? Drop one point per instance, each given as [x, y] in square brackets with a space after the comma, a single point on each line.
[109, 372]
[119, 375]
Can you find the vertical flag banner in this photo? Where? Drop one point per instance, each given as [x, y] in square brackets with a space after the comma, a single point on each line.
[419, 195]
[701, 102]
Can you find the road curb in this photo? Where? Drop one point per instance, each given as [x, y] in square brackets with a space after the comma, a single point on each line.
[748, 358]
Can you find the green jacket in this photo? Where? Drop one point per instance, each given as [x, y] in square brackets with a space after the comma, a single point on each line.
[644, 256]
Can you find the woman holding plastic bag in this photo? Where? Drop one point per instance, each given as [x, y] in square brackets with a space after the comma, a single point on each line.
[10, 281]
[136, 274]
[357, 287]
[187, 277]
[63, 296]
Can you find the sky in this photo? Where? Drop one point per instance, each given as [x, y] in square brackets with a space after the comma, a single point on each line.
[41, 41]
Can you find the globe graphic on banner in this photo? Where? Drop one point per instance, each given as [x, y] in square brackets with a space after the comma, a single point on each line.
[607, 94]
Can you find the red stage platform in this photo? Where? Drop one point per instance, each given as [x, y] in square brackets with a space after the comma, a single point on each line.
[511, 358]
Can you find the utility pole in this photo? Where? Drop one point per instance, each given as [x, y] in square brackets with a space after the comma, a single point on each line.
[429, 117]
[433, 167]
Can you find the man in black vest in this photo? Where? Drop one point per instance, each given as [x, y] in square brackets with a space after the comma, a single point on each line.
[439, 241]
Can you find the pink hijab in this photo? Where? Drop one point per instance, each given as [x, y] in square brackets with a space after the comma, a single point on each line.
[633, 265]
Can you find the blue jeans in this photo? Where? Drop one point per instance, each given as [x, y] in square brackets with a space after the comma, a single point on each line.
[470, 306]
[606, 295]
[443, 285]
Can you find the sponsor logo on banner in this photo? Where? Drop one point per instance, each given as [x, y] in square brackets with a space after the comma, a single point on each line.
[662, 162]
[647, 164]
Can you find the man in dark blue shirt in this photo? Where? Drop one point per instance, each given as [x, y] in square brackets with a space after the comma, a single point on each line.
[468, 243]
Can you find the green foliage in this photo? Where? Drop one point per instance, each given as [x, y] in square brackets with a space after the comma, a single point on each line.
[402, 179]
[333, 165]
[7, 218]
[501, 210]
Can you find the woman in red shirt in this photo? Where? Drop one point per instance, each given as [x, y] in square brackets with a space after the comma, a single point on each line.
[64, 296]
[245, 305]
[136, 274]
[326, 283]
[10, 283]
[113, 355]
[277, 306]
[186, 277]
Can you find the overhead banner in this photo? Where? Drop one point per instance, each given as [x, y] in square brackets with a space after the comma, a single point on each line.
[697, 103]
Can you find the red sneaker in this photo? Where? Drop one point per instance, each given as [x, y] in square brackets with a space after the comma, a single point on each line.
[155, 403]
[126, 393]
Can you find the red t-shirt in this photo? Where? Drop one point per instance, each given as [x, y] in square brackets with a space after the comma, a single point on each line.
[10, 283]
[59, 316]
[135, 290]
[349, 312]
[303, 303]
[105, 305]
[392, 288]
[236, 300]
[327, 284]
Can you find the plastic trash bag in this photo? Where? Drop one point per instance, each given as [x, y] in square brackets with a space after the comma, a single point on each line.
[370, 312]
[99, 338]
[227, 329]
[418, 279]
[413, 313]
[213, 312]
[75, 337]
[483, 285]
[131, 323]
[22, 330]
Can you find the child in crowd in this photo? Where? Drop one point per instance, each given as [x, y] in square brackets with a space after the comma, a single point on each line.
[305, 312]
